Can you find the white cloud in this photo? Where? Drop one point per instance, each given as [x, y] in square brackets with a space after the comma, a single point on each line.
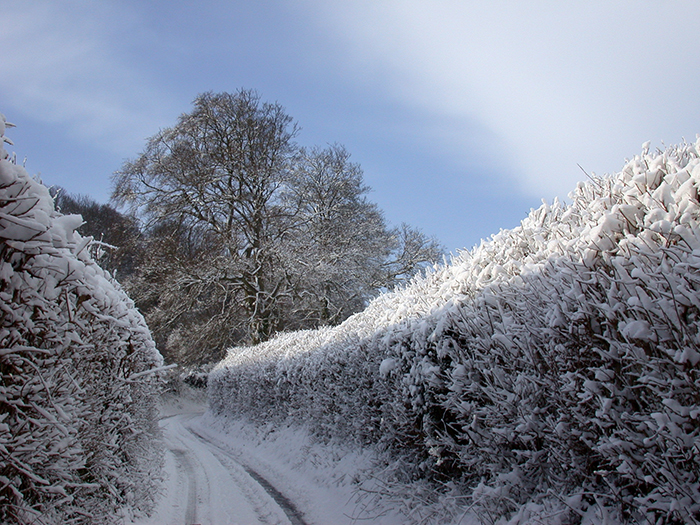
[59, 64]
[548, 84]
[560, 82]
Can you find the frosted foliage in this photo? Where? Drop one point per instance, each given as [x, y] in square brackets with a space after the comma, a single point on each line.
[76, 426]
[552, 374]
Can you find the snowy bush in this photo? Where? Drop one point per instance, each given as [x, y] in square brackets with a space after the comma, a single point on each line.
[76, 398]
[552, 371]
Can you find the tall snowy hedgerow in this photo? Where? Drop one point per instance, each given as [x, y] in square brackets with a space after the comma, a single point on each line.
[552, 374]
[76, 400]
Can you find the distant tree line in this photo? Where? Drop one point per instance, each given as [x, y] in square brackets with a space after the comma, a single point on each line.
[231, 232]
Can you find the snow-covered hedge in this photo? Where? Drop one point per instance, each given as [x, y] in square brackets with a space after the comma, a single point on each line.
[551, 372]
[77, 421]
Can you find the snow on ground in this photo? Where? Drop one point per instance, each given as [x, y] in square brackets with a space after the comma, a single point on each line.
[224, 471]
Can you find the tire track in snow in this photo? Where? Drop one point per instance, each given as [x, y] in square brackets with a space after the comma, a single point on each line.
[204, 486]
[294, 515]
[186, 464]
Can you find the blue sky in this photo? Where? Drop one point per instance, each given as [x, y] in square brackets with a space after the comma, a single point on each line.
[463, 115]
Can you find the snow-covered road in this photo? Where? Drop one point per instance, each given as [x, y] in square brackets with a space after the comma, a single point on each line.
[207, 484]
[230, 472]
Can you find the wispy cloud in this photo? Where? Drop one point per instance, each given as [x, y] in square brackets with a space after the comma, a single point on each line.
[561, 83]
[59, 64]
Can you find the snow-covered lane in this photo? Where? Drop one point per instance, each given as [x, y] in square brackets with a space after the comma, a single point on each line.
[230, 471]
[206, 485]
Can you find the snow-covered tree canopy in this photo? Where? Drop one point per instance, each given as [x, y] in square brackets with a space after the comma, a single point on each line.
[76, 408]
[250, 234]
[552, 373]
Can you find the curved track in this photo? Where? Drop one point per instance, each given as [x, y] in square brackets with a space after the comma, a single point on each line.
[206, 484]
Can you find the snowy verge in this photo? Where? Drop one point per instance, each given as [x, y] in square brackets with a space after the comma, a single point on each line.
[321, 479]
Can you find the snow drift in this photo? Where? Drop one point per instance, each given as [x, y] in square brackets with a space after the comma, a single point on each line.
[550, 373]
[76, 408]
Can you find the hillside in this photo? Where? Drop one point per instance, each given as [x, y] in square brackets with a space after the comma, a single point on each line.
[552, 373]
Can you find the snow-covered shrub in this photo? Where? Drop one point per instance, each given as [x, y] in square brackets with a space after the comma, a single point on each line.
[554, 369]
[77, 404]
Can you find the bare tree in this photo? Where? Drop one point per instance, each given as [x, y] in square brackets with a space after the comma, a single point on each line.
[216, 175]
[340, 241]
[248, 235]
